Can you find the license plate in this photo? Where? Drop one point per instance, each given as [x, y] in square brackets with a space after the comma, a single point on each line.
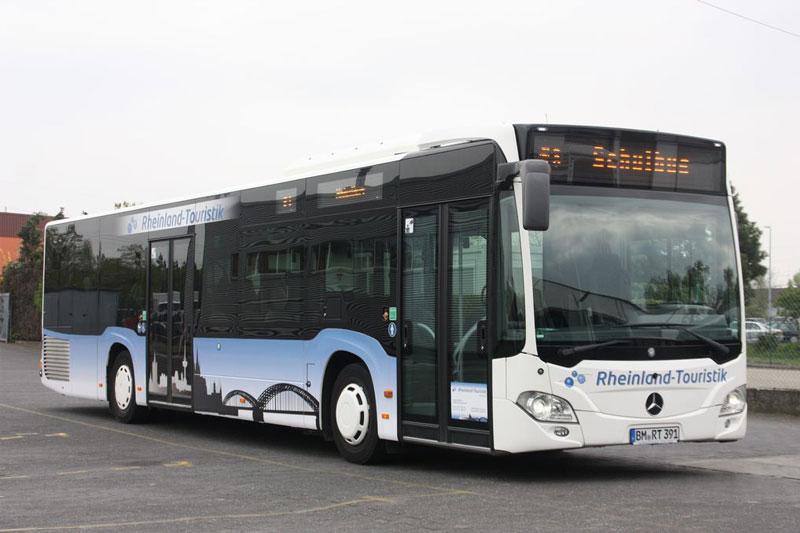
[665, 435]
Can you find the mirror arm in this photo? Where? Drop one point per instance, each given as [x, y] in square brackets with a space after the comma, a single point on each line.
[535, 176]
[506, 172]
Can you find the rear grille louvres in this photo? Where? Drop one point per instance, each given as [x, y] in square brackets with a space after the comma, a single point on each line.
[55, 358]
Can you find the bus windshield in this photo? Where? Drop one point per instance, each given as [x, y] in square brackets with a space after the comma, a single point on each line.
[632, 266]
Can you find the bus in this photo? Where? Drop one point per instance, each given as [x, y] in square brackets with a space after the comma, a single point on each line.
[496, 289]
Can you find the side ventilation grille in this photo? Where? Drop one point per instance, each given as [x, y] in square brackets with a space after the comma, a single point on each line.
[55, 358]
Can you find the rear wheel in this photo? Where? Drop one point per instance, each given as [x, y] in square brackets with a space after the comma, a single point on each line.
[353, 416]
[121, 391]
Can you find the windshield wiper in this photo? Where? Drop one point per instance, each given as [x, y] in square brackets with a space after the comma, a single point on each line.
[720, 348]
[586, 347]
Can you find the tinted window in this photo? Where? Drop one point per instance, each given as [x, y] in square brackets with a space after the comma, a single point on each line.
[235, 266]
[72, 277]
[272, 204]
[123, 275]
[219, 299]
[271, 294]
[351, 273]
[462, 172]
[372, 186]
[510, 280]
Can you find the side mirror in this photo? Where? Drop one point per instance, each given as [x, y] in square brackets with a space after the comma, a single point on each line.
[535, 175]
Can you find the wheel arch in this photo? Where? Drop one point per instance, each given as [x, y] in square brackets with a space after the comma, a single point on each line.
[113, 341]
[335, 348]
[113, 351]
[336, 362]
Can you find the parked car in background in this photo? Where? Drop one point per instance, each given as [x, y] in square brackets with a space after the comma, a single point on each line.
[788, 328]
[754, 329]
[771, 325]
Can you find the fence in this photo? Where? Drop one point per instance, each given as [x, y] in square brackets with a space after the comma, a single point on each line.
[773, 344]
[5, 316]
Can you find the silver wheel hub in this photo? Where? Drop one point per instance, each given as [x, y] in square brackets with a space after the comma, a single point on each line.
[352, 414]
[123, 387]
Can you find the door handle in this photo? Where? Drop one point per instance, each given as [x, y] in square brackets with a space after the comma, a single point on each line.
[483, 341]
[407, 337]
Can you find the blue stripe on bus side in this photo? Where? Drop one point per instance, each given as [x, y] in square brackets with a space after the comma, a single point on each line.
[250, 365]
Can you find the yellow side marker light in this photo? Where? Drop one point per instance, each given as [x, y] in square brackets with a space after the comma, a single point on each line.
[138, 388]
[101, 385]
[385, 416]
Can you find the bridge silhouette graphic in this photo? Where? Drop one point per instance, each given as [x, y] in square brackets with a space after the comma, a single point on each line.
[282, 398]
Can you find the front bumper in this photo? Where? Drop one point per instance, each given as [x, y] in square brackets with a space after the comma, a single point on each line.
[515, 431]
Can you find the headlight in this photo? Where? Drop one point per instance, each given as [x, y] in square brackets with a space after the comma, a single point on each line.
[547, 408]
[734, 402]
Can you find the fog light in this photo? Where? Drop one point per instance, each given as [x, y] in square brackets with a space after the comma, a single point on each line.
[735, 401]
[546, 407]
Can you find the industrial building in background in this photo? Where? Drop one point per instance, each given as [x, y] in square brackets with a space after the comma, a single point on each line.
[10, 241]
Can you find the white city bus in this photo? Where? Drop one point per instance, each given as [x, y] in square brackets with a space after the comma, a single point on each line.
[523, 288]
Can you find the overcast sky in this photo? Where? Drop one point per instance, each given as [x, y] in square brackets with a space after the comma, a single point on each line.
[104, 101]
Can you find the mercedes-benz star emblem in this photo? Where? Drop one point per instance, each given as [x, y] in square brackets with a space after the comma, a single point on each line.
[654, 404]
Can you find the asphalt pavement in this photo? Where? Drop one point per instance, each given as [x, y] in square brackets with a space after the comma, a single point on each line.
[65, 464]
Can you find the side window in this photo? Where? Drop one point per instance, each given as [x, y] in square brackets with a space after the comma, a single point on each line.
[351, 274]
[273, 283]
[371, 267]
[338, 266]
[217, 243]
[72, 282]
[234, 266]
[361, 188]
[362, 267]
[510, 279]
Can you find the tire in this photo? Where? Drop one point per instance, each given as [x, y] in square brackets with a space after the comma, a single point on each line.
[121, 391]
[354, 419]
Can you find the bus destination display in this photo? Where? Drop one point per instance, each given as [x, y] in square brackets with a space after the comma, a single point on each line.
[623, 159]
[635, 161]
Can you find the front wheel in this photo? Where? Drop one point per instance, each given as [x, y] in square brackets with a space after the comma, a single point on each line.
[353, 416]
[121, 391]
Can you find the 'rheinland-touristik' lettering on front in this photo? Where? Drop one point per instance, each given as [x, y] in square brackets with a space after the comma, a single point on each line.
[677, 377]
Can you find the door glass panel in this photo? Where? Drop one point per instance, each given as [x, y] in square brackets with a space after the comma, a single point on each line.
[158, 319]
[181, 309]
[468, 230]
[419, 313]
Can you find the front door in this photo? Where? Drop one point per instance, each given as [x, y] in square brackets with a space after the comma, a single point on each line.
[170, 312]
[444, 363]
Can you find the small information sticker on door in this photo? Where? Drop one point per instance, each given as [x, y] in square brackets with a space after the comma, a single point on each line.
[409, 225]
[468, 401]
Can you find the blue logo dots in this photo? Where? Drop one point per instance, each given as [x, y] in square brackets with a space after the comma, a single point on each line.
[132, 225]
[570, 381]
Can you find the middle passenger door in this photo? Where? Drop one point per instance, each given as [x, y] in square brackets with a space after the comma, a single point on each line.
[444, 363]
